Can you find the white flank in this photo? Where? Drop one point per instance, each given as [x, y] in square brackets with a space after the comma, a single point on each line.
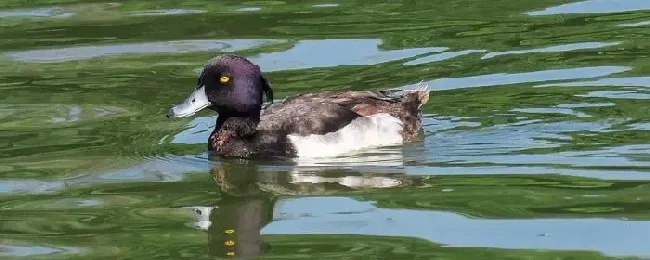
[364, 132]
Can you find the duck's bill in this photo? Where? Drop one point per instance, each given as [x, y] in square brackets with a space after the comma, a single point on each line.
[194, 103]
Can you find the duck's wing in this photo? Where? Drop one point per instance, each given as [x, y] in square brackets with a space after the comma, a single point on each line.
[324, 112]
[348, 97]
[305, 116]
[364, 103]
[367, 103]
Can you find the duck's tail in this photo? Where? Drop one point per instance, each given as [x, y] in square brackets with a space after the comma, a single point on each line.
[422, 92]
[411, 113]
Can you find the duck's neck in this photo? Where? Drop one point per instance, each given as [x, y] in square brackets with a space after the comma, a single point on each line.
[237, 126]
[233, 129]
[241, 119]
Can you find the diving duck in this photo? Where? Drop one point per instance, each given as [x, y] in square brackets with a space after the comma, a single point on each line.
[306, 125]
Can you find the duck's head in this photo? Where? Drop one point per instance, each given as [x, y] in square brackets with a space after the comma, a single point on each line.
[228, 84]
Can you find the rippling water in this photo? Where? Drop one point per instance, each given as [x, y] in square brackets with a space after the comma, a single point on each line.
[537, 131]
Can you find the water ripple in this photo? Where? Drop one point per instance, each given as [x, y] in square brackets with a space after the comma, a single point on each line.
[24, 251]
[166, 12]
[524, 77]
[615, 237]
[87, 52]
[616, 95]
[558, 48]
[604, 174]
[325, 5]
[550, 110]
[248, 9]
[157, 169]
[30, 186]
[334, 52]
[441, 56]
[39, 12]
[644, 23]
[623, 82]
[595, 6]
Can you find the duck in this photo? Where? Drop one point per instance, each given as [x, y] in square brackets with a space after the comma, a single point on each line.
[321, 124]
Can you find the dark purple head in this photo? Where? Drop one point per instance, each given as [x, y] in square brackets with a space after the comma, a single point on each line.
[228, 84]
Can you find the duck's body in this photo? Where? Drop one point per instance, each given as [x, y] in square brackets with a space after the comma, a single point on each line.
[307, 125]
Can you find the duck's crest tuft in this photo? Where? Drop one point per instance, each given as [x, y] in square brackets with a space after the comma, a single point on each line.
[422, 90]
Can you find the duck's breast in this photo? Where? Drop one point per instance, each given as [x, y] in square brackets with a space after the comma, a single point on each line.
[361, 133]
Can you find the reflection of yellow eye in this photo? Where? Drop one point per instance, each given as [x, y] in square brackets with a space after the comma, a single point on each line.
[224, 79]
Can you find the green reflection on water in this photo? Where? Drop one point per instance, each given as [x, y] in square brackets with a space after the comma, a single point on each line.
[154, 220]
[65, 120]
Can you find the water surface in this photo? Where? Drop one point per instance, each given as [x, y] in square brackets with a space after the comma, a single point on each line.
[537, 142]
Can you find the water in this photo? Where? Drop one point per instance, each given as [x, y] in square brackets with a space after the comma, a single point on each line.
[537, 142]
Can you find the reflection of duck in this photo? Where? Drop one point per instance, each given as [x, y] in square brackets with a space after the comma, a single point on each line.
[348, 181]
[202, 217]
[248, 196]
[320, 124]
[243, 210]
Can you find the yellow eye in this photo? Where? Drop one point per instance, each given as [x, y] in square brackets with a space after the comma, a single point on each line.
[224, 79]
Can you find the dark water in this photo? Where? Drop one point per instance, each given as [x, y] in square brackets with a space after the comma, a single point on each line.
[537, 141]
